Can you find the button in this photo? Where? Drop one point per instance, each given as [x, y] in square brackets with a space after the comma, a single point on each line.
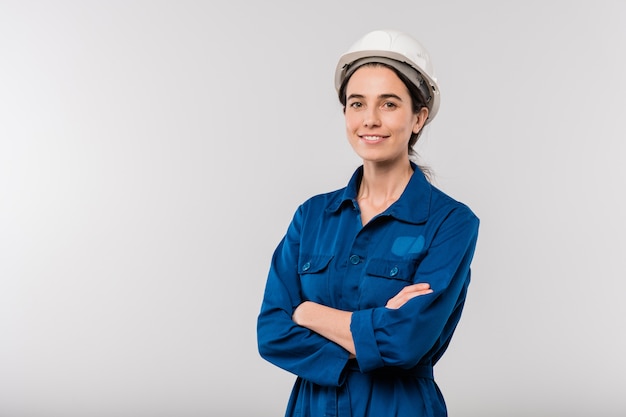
[354, 259]
[306, 266]
[394, 271]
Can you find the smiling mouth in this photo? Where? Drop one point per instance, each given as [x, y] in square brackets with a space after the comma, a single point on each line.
[372, 138]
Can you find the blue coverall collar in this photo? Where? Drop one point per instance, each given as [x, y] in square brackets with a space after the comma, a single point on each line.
[413, 206]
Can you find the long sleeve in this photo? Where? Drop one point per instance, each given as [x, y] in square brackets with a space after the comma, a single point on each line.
[329, 257]
[422, 327]
[282, 342]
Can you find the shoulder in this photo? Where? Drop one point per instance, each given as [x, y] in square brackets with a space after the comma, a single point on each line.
[333, 200]
[324, 201]
[444, 206]
[317, 208]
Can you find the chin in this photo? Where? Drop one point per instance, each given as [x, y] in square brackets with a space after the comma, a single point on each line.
[383, 157]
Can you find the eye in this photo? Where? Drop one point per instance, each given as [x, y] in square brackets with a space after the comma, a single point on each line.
[389, 105]
[356, 104]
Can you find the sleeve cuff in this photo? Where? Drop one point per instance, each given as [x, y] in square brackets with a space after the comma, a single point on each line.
[362, 328]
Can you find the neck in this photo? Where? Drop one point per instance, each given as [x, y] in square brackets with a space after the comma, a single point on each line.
[382, 185]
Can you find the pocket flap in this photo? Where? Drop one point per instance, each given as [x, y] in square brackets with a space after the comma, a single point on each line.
[313, 264]
[402, 270]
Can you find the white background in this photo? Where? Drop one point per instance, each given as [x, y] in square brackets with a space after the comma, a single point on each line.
[152, 154]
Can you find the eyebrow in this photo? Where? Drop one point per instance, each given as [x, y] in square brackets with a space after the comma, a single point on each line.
[382, 96]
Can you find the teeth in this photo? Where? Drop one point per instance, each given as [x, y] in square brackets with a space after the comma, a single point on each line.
[371, 137]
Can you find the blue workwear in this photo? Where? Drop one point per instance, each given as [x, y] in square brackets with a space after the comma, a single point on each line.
[329, 257]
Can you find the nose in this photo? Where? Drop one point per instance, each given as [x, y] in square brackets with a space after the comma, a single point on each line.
[371, 117]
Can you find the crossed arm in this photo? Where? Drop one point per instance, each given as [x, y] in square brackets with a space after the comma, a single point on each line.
[334, 324]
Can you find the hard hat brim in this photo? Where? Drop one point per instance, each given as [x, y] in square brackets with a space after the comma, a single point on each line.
[343, 66]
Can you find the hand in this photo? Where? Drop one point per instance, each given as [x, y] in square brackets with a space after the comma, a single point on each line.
[407, 293]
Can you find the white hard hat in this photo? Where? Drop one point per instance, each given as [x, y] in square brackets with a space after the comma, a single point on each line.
[399, 50]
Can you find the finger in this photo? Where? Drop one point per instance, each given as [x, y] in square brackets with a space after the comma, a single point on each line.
[414, 287]
[412, 294]
[401, 298]
[420, 286]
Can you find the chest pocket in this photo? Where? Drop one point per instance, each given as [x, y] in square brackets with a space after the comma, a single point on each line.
[398, 270]
[314, 274]
[383, 279]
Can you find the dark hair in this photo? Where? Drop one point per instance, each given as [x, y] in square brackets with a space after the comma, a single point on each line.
[417, 99]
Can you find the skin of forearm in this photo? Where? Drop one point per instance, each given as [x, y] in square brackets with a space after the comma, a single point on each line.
[329, 322]
[334, 324]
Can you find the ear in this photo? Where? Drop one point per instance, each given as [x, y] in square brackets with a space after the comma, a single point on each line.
[420, 121]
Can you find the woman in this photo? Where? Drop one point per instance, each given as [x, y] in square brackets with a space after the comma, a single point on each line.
[368, 284]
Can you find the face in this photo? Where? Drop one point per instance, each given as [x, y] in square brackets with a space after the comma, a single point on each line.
[379, 115]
